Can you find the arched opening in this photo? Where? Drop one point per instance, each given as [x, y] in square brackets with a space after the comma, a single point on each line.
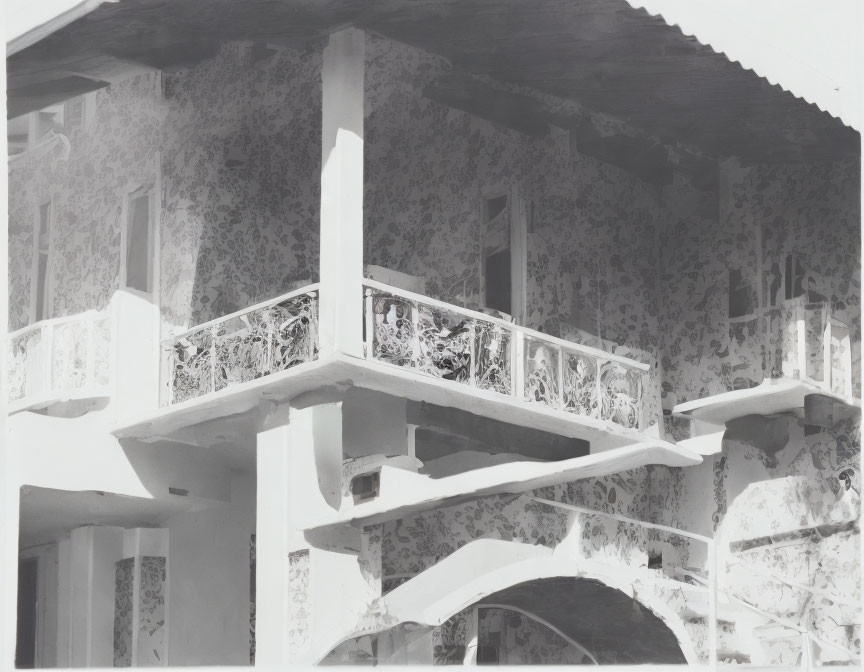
[555, 620]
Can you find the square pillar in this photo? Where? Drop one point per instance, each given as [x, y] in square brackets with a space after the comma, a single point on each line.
[341, 273]
[140, 599]
[93, 553]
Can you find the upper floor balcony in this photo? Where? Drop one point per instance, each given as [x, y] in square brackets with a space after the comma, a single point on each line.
[798, 357]
[437, 348]
[65, 359]
[70, 365]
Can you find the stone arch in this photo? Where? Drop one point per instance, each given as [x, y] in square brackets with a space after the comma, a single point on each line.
[483, 569]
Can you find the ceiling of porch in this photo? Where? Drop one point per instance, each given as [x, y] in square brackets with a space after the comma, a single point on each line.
[605, 54]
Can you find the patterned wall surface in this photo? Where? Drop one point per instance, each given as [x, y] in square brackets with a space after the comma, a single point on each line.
[124, 579]
[239, 144]
[300, 608]
[591, 239]
[151, 609]
[417, 542]
[811, 211]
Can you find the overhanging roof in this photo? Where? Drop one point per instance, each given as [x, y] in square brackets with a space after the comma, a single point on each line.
[814, 51]
[606, 54]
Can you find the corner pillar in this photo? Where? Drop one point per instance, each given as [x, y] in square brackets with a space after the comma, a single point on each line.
[341, 274]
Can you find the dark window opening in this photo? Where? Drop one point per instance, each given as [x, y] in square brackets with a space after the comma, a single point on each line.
[794, 277]
[497, 254]
[139, 247]
[43, 249]
[366, 486]
[25, 641]
[742, 297]
[498, 290]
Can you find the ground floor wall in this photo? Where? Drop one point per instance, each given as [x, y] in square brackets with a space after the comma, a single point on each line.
[210, 581]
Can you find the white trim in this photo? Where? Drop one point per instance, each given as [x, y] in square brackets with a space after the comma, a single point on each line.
[50, 24]
[20, 158]
[134, 193]
[48, 288]
[519, 216]
[307, 289]
[512, 326]
[625, 519]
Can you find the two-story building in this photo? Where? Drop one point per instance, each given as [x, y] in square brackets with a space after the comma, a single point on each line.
[437, 333]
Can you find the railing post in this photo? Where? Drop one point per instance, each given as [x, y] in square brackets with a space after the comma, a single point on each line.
[415, 333]
[369, 301]
[213, 331]
[599, 364]
[313, 324]
[518, 364]
[472, 354]
[48, 355]
[90, 375]
[712, 603]
[642, 376]
[166, 381]
[801, 333]
[560, 404]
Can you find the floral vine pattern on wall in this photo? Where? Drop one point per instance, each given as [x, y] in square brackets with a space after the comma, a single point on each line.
[124, 579]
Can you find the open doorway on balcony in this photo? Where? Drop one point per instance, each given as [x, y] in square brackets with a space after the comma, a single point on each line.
[504, 258]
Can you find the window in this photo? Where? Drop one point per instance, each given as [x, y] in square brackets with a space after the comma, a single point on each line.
[366, 486]
[504, 254]
[742, 295]
[138, 244]
[784, 278]
[73, 114]
[496, 254]
[42, 264]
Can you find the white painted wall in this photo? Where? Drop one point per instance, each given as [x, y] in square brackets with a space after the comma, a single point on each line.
[208, 574]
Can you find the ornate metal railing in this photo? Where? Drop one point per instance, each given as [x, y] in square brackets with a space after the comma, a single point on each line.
[258, 341]
[60, 358]
[795, 339]
[474, 349]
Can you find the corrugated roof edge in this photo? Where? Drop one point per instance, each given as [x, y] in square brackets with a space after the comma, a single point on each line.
[850, 117]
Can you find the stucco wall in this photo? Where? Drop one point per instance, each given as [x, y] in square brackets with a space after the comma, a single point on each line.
[239, 152]
[811, 210]
[209, 581]
[744, 494]
[591, 244]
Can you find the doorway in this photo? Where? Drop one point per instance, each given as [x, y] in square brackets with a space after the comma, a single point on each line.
[28, 600]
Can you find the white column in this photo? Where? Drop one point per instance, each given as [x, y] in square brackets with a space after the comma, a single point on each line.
[94, 550]
[135, 351]
[271, 543]
[64, 602]
[9, 546]
[341, 301]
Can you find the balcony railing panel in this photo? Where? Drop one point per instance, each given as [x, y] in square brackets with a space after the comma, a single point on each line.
[259, 341]
[797, 340]
[468, 347]
[59, 358]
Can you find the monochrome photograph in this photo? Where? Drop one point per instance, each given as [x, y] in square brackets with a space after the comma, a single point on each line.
[432, 332]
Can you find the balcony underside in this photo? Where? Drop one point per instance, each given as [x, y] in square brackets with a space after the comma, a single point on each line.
[345, 371]
[772, 396]
[68, 403]
[405, 492]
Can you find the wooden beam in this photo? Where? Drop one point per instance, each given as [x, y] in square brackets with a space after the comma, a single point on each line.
[487, 101]
[453, 426]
